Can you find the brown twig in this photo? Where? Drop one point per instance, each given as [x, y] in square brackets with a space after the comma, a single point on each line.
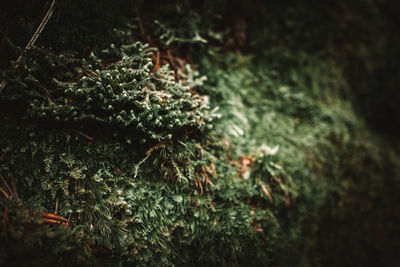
[148, 153]
[5, 221]
[213, 169]
[266, 192]
[198, 184]
[83, 134]
[4, 193]
[38, 30]
[53, 219]
[14, 187]
[7, 187]
[47, 93]
[9, 192]
[142, 29]
[171, 59]
[56, 208]
[7, 119]
[156, 60]
[33, 39]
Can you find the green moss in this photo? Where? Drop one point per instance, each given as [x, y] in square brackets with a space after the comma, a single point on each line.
[252, 154]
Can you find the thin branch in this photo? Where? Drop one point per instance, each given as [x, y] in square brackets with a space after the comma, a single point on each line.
[33, 39]
[38, 31]
[81, 133]
[48, 94]
[142, 29]
[4, 193]
[6, 186]
[3, 84]
[14, 187]
[148, 153]
[56, 208]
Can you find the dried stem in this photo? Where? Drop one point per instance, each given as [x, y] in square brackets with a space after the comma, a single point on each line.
[33, 38]
[148, 153]
[56, 208]
[7, 187]
[4, 193]
[14, 187]
[142, 29]
[81, 133]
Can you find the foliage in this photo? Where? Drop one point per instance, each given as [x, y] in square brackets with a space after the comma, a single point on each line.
[206, 134]
[28, 240]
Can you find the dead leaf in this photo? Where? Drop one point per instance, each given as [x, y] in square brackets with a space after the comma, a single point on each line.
[266, 192]
[245, 162]
[213, 169]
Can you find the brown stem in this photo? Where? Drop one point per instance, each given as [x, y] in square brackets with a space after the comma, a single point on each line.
[33, 39]
[14, 187]
[4, 193]
[56, 208]
[83, 134]
[7, 187]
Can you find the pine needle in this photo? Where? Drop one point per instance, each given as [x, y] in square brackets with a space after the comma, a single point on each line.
[33, 39]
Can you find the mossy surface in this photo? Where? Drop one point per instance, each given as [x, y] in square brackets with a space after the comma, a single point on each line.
[215, 133]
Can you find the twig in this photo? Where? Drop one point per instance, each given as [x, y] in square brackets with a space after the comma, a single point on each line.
[148, 153]
[14, 187]
[156, 58]
[198, 184]
[47, 93]
[266, 192]
[3, 84]
[83, 134]
[56, 208]
[33, 39]
[38, 30]
[8, 119]
[5, 221]
[10, 193]
[53, 219]
[142, 29]
[7, 187]
[4, 193]
[171, 60]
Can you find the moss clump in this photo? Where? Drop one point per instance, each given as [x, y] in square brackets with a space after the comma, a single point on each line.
[224, 133]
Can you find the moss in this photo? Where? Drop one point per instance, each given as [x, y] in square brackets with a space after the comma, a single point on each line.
[173, 134]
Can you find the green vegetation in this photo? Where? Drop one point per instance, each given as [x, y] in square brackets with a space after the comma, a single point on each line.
[214, 133]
